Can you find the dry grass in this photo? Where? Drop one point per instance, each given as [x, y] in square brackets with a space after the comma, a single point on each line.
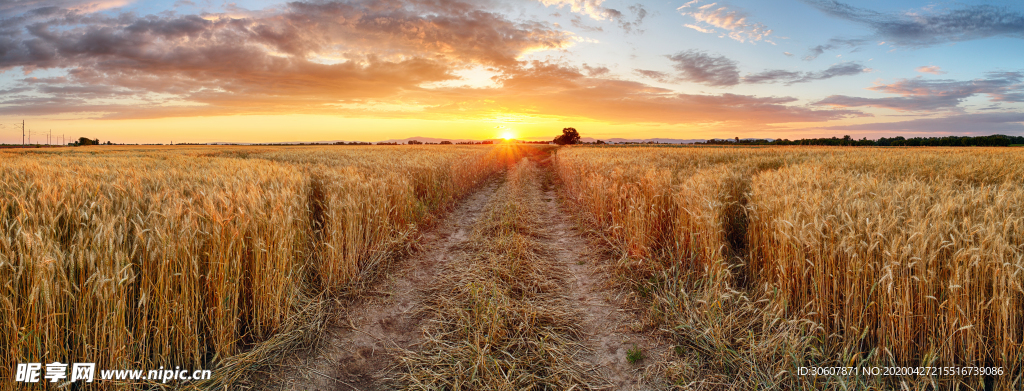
[502, 320]
[760, 260]
[196, 257]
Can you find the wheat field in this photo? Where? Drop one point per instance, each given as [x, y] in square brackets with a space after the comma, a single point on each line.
[753, 262]
[148, 257]
[762, 260]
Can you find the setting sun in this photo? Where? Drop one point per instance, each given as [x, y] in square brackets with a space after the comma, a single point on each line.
[508, 135]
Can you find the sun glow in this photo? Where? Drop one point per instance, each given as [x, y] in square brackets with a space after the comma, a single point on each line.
[508, 135]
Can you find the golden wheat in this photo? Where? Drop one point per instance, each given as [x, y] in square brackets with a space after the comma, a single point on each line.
[780, 257]
[140, 258]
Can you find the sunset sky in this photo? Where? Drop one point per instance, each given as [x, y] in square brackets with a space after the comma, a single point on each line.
[271, 71]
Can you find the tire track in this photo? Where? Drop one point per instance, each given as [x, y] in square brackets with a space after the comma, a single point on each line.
[358, 352]
[611, 327]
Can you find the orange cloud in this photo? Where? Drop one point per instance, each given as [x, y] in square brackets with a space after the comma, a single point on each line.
[930, 69]
[734, 22]
[552, 89]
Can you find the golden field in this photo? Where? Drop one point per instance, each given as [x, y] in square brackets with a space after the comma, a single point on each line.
[148, 257]
[758, 261]
[752, 262]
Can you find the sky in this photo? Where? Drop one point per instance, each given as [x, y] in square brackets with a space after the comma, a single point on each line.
[135, 71]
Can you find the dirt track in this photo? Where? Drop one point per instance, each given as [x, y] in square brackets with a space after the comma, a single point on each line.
[359, 352]
[610, 326]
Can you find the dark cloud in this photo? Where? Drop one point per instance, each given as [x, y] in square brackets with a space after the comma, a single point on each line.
[658, 76]
[962, 124]
[596, 71]
[773, 76]
[1001, 86]
[577, 22]
[833, 44]
[921, 95]
[639, 14]
[388, 30]
[716, 70]
[700, 67]
[843, 69]
[301, 56]
[916, 103]
[930, 28]
[612, 14]
[343, 58]
[789, 77]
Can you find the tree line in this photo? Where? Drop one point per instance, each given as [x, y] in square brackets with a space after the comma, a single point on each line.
[997, 140]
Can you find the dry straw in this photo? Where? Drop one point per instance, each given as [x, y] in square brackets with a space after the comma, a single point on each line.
[502, 320]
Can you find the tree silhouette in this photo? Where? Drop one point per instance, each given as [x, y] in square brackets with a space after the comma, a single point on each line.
[87, 141]
[569, 136]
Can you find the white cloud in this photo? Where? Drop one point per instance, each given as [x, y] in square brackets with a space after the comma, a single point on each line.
[698, 28]
[591, 8]
[733, 22]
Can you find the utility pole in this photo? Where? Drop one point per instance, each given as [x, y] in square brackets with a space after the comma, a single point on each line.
[22, 132]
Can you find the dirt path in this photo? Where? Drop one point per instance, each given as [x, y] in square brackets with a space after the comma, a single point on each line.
[609, 326]
[357, 353]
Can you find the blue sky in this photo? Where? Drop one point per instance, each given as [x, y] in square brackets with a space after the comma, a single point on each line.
[142, 71]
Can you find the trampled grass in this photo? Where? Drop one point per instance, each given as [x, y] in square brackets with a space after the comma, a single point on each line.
[198, 257]
[502, 319]
[755, 261]
[759, 261]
